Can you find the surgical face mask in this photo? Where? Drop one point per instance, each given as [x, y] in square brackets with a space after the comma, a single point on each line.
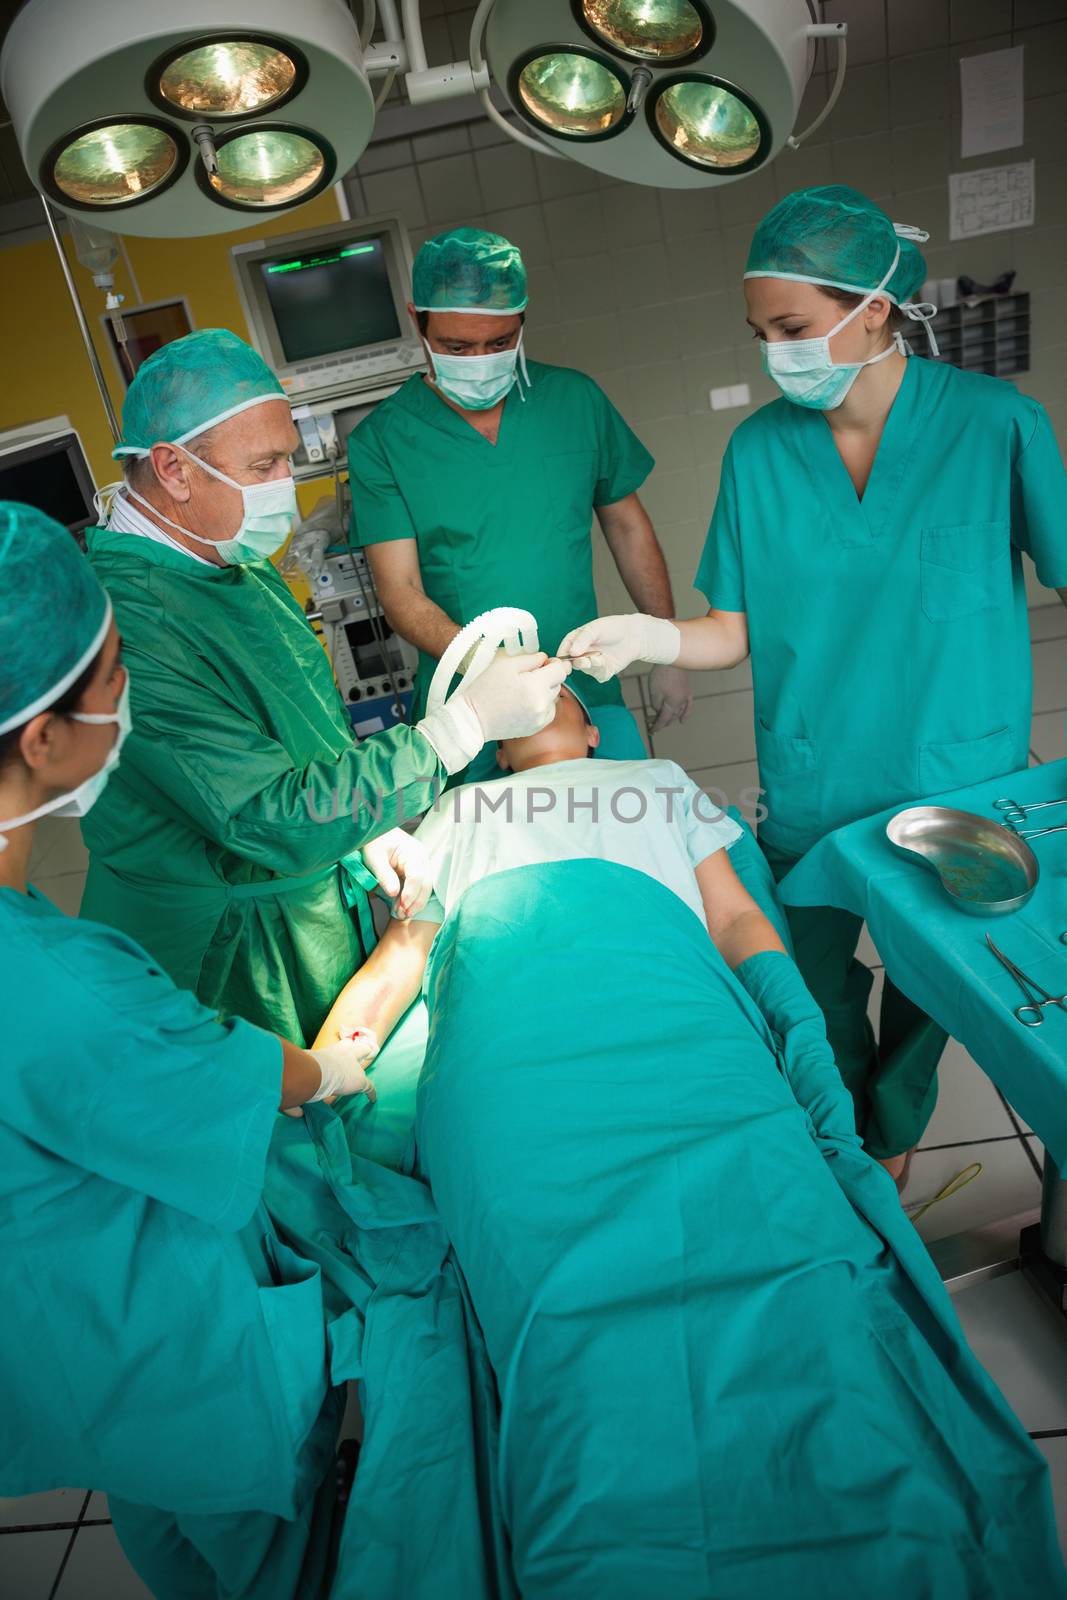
[267, 520]
[477, 383]
[82, 799]
[807, 373]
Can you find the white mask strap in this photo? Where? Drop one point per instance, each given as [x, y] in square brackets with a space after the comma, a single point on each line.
[214, 471]
[522, 366]
[177, 526]
[867, 298]
[924, 311]
[104, 498]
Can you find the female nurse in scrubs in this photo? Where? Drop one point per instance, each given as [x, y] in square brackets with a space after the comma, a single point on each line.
[159, 1341]
[866, 549]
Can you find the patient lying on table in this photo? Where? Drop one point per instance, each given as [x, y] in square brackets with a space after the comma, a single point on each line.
[558, 803]
[726, 1365]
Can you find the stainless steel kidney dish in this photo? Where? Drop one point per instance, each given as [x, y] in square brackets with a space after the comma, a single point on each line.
[984, 868]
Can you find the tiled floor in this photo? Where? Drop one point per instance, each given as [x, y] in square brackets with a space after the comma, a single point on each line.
[59, 1545]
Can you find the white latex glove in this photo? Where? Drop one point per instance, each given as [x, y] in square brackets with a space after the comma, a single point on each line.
[401, 865]
[343, 1066]
[671, 695]
[609, 645]
[514, 696]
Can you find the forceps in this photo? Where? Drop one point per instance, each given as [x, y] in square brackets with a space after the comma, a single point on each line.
[1015, 815]
[1037, 998]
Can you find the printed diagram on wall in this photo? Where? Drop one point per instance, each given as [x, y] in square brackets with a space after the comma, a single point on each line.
[991, 200]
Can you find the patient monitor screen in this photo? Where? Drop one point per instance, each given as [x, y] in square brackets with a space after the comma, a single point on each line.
[332, 299]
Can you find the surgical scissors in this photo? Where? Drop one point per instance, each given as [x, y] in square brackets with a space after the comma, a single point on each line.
[1036, 997]
[1014, 814]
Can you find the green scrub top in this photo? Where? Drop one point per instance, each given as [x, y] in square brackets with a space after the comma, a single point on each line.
[222, 842]
[889, 638]
[158, 1341]
[504, 524]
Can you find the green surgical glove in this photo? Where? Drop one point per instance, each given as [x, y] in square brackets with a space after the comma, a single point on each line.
[774, 983]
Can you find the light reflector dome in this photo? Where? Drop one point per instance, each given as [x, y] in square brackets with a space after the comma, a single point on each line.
[734, 96]
[202, 72]
[272, 166]
[114, 164]
[227, 78]
[573, 94]
[648, 30]
[708, 124]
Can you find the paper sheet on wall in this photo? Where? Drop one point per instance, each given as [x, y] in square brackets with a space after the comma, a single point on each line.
[991, 200]
[991, 98]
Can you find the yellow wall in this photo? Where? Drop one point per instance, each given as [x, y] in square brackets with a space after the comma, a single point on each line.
[46, 370]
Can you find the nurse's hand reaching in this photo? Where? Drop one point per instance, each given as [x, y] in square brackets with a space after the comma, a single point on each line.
[609, 645]
[402, 867]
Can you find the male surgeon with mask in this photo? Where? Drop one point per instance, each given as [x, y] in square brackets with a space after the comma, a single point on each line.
[866, 547]
[475, 484]
[239, 838]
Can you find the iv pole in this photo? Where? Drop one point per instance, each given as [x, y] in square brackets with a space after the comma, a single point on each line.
[87, 338]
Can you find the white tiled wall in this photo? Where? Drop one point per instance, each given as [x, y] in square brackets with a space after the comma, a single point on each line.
[642, 288]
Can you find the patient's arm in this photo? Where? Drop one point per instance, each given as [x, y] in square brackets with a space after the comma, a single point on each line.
[383, 988]
[750, 947]
[737, 926]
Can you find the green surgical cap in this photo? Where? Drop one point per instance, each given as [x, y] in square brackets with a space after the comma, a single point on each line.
[837, 237]
[190, 385]
[54, 614]
[469, 270]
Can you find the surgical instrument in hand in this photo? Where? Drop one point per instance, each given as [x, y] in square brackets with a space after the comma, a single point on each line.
[1014, 814]
[1036, 997]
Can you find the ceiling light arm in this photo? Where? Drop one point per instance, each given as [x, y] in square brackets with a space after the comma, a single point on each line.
[409, 10]
[426, 84]
[478, 63]
[390, 56]
[87, 338]
[825, 30]
[369, 13]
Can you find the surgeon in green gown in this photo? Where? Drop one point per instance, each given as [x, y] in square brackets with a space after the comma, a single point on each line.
[475, 484]
[239, 839]
[162, 1340]
[866, 549]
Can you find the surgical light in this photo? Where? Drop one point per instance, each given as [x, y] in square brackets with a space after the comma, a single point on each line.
[112, 165]
[191, 119]
[672, 93]
[707, 124]
[228, 78]
[263, 168]
[573, 94]
[648, 30]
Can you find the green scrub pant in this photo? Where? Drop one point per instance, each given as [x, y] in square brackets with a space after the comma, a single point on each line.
[892, 1079]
